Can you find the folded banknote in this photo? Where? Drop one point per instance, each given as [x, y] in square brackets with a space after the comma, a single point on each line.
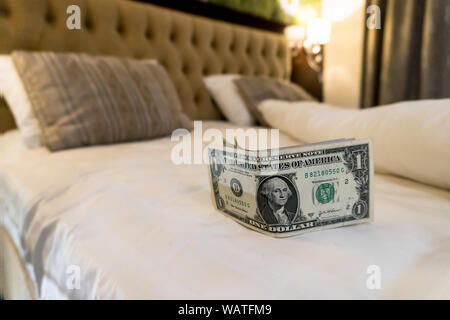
[288, 191]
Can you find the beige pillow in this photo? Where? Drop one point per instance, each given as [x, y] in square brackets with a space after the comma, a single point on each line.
[82, 100]
[410, 139]
[225, 93]
[12, 90]
[254, 90]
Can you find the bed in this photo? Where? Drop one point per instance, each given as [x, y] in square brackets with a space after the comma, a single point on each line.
[133, 225]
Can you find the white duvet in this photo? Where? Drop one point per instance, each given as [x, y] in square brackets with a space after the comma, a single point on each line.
[137, 226]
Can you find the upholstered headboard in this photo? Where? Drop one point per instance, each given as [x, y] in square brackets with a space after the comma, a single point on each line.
[188, 46]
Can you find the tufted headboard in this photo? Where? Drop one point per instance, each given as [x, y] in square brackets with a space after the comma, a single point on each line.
[189, 46]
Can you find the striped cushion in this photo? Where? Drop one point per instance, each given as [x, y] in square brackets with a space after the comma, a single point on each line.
[254, 90]
[82, 100]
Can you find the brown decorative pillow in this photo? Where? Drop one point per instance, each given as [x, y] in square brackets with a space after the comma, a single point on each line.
[256, 89]
[82, 100]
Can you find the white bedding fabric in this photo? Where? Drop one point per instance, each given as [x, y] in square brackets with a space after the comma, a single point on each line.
[410, 138]
[141, 227]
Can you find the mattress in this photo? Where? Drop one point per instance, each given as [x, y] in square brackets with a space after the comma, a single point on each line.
[124, 222]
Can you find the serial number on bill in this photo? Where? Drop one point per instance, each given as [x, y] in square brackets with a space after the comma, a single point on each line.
[321, 173]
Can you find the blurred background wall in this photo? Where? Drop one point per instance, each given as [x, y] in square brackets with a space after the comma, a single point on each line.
[342, 62]
[344, 53]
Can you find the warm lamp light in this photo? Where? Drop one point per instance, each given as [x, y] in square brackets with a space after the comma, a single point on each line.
[311, 42]
[318, 31]
[295, 35]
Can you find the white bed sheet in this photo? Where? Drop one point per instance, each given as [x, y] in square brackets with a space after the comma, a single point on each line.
[140, 227]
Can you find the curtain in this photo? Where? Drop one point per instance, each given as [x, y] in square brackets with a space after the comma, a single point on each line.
[409, 57]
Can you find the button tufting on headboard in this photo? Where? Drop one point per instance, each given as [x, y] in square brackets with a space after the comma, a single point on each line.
[49, 17]
[148, 34]
[88, 24]
[4, 10]
[190, 47]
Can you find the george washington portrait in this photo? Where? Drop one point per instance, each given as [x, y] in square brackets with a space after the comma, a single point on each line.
[277, 200]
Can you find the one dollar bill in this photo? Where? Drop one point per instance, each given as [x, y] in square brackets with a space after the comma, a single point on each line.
[293, 190]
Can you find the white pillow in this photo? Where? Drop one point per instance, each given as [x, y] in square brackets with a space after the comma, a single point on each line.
[11, 88]
[225, 93]
[410, 139]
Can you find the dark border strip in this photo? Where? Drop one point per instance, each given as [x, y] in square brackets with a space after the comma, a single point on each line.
[237, 309]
